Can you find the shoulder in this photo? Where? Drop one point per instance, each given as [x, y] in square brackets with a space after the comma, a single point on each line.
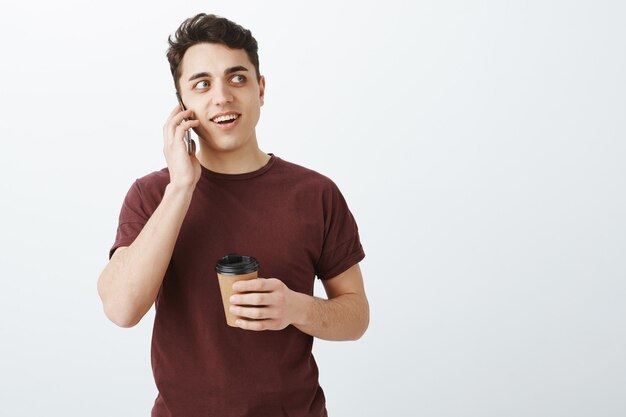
[155, 181]
[305, 177]
[155, 178]
[149, 188]
[143, 196]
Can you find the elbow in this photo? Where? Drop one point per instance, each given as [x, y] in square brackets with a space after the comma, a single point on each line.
[364, 323]
[362, 328]
[122, 317]
[126, 324]
[121, 313]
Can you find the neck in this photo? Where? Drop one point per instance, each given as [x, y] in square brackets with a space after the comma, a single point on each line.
[233, 162]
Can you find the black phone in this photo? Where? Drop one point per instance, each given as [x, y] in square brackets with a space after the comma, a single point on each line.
[191, 146]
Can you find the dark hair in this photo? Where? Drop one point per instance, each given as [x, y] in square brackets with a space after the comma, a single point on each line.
[209, 28]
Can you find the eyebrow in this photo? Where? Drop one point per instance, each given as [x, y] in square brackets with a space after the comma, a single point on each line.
[226, 72]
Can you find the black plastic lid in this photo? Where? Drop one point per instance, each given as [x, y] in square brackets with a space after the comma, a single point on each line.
[233, 264]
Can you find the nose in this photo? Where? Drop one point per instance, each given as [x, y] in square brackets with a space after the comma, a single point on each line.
[221, 94]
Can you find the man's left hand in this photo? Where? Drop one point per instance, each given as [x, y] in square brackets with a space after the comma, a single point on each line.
[265, 304]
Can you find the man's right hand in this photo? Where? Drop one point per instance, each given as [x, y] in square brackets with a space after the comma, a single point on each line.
[184, 169]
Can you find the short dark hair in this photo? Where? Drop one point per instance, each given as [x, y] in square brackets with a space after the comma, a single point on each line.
[209, 28]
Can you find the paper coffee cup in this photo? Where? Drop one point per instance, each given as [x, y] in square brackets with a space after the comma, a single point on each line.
[230, 269]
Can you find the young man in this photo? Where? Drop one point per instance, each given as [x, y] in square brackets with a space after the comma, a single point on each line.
[231, 197]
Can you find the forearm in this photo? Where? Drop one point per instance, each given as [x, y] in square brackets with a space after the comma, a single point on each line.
[131, 280]
[345, 317]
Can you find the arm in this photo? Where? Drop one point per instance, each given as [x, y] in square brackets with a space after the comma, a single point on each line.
[131, 280]
[343, 316]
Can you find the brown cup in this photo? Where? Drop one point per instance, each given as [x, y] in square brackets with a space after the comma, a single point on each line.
[230, 269]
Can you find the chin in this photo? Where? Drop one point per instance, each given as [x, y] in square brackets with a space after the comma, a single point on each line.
[224, 146]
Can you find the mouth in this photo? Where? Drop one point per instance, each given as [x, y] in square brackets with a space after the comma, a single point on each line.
[224, 120]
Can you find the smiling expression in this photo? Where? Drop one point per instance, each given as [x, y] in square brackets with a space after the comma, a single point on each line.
[220, 86]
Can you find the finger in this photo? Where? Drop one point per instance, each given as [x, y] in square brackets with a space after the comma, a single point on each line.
[175, 110]
[173, 113]
[185, 114]
[252, 299]
[252, 313]
[179, 119]
[253, 285]
[179, 131]
[255, 325]
[186, 125]
[175, 120]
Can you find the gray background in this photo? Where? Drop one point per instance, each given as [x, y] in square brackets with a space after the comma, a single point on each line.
[480, 145]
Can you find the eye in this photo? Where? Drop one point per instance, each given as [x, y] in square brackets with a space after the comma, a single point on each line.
[201, 84]
[238, 79]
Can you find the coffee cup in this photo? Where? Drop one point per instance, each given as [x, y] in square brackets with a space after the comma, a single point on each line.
[230, 269]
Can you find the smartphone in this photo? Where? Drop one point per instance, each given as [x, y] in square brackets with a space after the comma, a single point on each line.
[191, 146]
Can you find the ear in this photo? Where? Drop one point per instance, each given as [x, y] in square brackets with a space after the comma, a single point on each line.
[262, 89]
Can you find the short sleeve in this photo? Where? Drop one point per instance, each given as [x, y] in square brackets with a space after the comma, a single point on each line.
[132, 219]
[342, 246]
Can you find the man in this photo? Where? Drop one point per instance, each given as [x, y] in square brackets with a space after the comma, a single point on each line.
[231, 197]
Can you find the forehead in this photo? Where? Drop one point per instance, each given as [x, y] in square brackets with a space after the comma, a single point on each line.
[213, 58]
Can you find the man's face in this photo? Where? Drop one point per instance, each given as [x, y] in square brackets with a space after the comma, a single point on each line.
[220, 86]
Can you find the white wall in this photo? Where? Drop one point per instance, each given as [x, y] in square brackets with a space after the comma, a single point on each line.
[481, 147]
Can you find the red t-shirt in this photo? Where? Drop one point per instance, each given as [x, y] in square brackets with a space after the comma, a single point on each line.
[296, 223]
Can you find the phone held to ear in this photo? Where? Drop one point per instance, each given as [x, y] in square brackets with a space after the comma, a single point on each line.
[191, 145]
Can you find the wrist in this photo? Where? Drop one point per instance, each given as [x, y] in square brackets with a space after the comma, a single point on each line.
[303, 305]
[180, 188]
